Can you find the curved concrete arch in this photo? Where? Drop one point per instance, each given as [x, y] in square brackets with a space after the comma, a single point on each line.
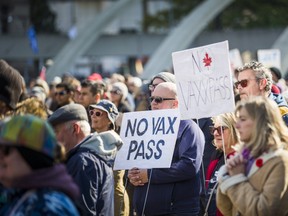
[282, 44]
[87, 34]
[183, 35]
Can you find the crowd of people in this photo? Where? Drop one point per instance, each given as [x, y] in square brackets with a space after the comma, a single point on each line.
[59, 140]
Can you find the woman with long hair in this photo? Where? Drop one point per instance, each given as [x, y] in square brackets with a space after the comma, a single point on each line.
[225, 137]
[255, 180]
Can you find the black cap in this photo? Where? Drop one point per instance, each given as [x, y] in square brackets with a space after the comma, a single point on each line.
[276, 71]
[67, 113]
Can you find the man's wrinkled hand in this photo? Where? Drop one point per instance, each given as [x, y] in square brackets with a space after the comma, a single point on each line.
[138, 177]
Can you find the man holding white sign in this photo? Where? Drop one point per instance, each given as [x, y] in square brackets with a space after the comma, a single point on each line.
[149, 138]
[174, 190]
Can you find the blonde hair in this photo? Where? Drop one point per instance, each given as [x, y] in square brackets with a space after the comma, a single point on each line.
[33, 106]
[269, 130]
[228, 120]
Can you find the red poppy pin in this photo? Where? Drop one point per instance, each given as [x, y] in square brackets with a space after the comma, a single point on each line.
[259, 162]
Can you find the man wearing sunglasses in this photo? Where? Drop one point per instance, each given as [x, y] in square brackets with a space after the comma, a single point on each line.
[256, 80]
[174, 190]
[64, 94]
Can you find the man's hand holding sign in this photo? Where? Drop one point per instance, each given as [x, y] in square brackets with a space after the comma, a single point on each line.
[204, 84]
[138, 177]
[175, 160]
[149, 138]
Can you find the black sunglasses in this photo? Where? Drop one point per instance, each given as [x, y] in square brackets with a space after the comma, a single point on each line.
[159, 99]
[61, 93]
[96, 113]
[218, 129]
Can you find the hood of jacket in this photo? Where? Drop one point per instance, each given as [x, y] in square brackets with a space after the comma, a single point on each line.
[279, 99]
[105, 145]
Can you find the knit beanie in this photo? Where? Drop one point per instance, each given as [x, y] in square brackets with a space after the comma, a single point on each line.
[122, 88]
[32, 133]
[166, 77]
[10, 84]
[276, 71]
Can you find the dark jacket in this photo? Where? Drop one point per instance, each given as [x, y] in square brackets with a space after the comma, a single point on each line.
[175, 190]
[48, 191]
[209, 149]
[90, 164]
[217, 160]
[124, 107]
[282, 104]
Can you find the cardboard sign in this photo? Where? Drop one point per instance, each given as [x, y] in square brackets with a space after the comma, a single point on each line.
[149, 139]
[204, 81]
[270, 57]
[235, 59]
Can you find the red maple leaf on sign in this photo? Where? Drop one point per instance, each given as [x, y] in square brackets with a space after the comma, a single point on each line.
[207, 60]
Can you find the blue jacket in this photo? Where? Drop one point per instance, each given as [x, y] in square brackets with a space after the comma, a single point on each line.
[176, 189]
[282, 104]
[48, 191]
[39, 202]
[90, 165]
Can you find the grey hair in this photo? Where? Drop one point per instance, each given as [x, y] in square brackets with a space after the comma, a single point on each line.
[83, 124]
[261, 72]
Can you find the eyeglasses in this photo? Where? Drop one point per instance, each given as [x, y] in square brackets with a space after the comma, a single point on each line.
[61, 93]
[159, 99]
[218, 129]
[96, 113]
[117, 92]
[152, 86]
[243, 83]
[5, 150]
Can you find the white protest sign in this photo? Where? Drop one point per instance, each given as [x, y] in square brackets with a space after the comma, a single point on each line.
[149, 139]
[235, 58]
[204, 81]
[269, 57]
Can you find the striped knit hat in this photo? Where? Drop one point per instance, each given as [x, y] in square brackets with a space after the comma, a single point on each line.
[30, 132]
